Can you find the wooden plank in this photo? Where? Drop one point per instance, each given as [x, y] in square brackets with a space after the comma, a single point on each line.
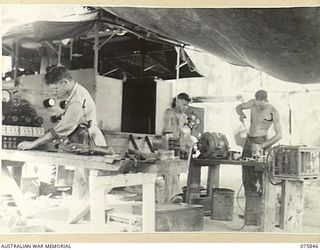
[172, 186]
[193, 183]
[149, 144]
[134, 144]
[148, 208]
[207, 162]
[89, 162]
[99, 185]
[9, 186]
[269, 201]
[171, 167]
[124, 180]
[213, 178]
[97, 198]
[291, 206]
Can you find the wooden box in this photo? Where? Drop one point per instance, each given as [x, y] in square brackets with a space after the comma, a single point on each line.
[296, 162]
[176, 217]
[206, 202]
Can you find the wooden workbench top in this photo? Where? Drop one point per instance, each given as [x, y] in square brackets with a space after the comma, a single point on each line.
[66, 159]
[206, 162]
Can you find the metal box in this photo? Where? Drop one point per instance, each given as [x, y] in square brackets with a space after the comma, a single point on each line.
[296, 162]
[176, 217]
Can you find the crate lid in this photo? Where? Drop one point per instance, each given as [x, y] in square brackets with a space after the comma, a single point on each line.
[163, 208]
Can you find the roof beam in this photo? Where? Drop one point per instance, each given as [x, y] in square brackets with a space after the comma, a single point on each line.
[161, 62]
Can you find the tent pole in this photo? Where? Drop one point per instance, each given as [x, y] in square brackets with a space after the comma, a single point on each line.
[59, 53]
[71, 50]
[16, 62]
[96, 49]
[177, 71]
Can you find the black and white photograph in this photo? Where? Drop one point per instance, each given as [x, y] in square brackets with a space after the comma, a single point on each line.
[138, 119]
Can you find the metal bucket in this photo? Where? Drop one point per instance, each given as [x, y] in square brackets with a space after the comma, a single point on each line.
[222, 204]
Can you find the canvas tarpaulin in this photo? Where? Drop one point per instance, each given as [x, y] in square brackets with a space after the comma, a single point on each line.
[283, 42]
[48, 30]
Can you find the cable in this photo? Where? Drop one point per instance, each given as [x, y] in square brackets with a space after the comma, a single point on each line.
[276, 184]
[237, 199]
[267, 159]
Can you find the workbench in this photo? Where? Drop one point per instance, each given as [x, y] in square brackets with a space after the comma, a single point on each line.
[169, 169]
[98, 185]
[268, 192]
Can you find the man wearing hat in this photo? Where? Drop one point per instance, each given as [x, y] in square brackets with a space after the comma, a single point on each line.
[262, 116]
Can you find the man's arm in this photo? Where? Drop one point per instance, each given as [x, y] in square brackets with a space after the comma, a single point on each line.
[277, 128]
[167, 126]
[38, 142]
[241, 107]
[69, 121]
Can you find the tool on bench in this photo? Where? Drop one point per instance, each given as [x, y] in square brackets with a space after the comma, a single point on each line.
[257, 155]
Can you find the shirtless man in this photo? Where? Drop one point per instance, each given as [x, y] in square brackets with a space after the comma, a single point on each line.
[263, 115]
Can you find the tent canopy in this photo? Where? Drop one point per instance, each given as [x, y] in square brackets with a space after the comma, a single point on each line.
[283, 42]
[125, 50]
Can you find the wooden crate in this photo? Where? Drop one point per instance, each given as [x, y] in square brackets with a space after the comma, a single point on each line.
[176, 217]
[296, 162]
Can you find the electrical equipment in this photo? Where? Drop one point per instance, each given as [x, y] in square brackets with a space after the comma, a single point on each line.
[296, 162]
[13, 135]
[50, 102]
[55, 118]
[6, 96]
[63, 104]
[20, 122]
[213, 145]
[195, 120]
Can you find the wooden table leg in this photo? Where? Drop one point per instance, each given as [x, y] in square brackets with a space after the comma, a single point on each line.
[8, 185]
[213, 178]
[291, 206]
[193, 182]
[268, 206]
[148, 208]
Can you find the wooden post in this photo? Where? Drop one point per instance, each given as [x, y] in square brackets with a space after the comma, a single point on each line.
[97, 214]
[9, 186]
[269, 201]
[148, 208]
[176, 91]
[213, 178]
[291, 206]
[193, 182]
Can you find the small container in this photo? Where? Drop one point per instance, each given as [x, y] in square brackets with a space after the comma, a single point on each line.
[222, 204]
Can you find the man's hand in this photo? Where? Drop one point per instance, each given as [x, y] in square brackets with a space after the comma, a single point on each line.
[242, 117]
[26, 145]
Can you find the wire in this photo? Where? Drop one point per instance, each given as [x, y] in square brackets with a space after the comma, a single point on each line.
[276, 184]
[237, 199]
[237, 229]
[270, 169]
